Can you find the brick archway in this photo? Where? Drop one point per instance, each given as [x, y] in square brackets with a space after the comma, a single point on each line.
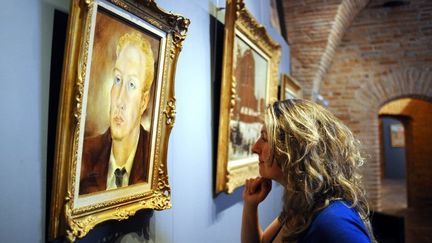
[363, 112]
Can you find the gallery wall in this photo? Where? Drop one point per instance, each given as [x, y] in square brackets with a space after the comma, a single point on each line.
[24, 81]
[197, 215]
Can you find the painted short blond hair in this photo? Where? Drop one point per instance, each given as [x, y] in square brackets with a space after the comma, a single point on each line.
[137, 40]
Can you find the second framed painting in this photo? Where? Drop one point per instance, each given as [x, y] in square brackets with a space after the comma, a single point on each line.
[249, 83]
[397, 135]
[290, 88]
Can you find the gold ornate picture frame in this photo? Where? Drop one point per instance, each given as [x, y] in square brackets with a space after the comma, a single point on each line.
[116, 111]
[249, 83]
[290, 88]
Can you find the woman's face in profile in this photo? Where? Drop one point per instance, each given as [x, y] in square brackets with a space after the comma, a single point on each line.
[267, 169]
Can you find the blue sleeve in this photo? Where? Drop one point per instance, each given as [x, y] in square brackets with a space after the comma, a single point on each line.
[337, 223]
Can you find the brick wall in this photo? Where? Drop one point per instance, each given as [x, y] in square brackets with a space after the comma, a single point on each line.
[308, 26]
[385, 54]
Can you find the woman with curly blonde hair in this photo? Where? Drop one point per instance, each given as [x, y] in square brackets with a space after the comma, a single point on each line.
[316, 158]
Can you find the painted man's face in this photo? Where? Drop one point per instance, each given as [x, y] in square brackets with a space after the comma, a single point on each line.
[128, 101]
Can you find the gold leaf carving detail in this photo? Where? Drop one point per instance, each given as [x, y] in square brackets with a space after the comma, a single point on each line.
[256, 31]
[179, 35]
[122, 213]
[233, 94]
[82, 65]
[77, 228]
[153, 22]
[120, 4]
[170, 112]
[158, 201]
[163, 180]
[239, 7]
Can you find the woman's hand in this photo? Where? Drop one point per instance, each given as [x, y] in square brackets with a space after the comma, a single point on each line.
[255, 191]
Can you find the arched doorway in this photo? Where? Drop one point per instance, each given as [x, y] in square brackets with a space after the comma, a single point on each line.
[393, 162]
[416, 117]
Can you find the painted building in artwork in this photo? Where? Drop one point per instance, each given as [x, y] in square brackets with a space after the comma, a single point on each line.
[247, 107]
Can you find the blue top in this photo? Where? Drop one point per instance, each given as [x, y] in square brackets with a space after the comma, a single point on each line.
[336, 223]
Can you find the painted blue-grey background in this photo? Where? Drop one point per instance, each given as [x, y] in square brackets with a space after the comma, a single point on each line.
[196, 216]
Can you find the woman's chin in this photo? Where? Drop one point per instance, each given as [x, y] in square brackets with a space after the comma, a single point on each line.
[262, 174]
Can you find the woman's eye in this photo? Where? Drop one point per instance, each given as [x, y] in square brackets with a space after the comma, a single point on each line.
[132, 85]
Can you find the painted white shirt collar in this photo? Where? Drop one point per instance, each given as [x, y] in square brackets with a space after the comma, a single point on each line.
[113, 166]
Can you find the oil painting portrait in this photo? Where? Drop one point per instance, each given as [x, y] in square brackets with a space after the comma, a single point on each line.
[120, 98]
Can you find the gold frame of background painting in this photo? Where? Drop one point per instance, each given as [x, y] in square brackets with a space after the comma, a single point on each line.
[249, 82]
[290, 88]
[99, 42]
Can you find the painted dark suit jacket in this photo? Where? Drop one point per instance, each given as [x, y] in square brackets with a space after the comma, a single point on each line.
[95, 162]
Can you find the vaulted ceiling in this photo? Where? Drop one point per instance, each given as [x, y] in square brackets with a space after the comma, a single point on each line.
[315, 29]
